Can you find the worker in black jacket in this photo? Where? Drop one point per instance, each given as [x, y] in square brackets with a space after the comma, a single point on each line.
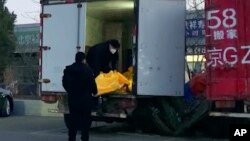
[103, 57]
[79, 82]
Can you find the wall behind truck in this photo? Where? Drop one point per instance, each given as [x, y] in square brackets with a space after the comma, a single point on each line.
[93, 31]
[99, 30]
[127, 44]
[23, 70]
[113, 30]
[122, 32]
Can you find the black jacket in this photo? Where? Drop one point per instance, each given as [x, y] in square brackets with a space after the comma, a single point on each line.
[100, 58]
[79, 82]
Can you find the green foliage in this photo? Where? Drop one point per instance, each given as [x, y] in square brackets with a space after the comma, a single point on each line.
[7, 39]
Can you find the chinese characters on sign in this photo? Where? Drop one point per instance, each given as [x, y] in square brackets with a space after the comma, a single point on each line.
[227, 49]
[191, 50]
[195, 34]
[195, 28]
[214, 57]
[229, 34]
[222, 26]
[27, 35]
[28, 38]
[228, 56]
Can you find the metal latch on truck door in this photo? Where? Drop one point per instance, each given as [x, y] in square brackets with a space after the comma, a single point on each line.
[78, 47]
[44, 81]
[45, 15]
[45, 47]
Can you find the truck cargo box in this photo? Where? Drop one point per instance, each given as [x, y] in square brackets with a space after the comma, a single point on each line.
[158, 55]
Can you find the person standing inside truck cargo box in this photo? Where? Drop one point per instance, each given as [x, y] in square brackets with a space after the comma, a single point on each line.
[79, 82]
[103, 57]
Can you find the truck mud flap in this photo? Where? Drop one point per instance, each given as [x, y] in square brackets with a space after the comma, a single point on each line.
[63, 104]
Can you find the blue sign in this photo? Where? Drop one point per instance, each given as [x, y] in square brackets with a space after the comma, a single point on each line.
[195, 28]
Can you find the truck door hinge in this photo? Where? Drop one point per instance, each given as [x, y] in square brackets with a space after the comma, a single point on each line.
[45, 47]
[78, 48]
[79, 5]
[45, 15]
[46, 81]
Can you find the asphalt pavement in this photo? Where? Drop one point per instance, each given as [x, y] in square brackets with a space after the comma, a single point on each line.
[37, 128]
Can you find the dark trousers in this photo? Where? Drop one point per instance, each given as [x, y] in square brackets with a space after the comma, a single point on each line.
[79, 120]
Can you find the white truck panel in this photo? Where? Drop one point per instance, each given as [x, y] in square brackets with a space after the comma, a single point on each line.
[60, 32]
[161, 47]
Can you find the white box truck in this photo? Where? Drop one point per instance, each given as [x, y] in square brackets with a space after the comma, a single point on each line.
[152, 37]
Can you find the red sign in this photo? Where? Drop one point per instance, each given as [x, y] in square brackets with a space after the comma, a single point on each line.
[228, 49]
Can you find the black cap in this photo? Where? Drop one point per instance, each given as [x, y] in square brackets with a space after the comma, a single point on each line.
[80, 56]
[114, 43]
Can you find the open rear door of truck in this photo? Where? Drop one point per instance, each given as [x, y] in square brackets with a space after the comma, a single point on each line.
[63, 34]
[160, 47]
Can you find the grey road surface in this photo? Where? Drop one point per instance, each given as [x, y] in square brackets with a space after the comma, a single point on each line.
[34, 128]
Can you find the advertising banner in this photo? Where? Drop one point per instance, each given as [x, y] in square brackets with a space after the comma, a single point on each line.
[228, 49]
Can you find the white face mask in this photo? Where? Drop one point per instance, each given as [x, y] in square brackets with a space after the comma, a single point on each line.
[112, 50]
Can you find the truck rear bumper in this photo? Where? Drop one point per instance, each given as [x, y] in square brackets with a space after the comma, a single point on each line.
[108, 117]
[234, 115]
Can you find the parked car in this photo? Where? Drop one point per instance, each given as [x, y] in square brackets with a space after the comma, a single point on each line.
[6, 102]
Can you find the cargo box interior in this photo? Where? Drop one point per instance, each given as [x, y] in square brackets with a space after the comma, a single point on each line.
[111, 20]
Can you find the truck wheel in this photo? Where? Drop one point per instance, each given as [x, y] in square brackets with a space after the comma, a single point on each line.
[169, 115]
[159, 124]
[140, 119]
[5, 109]
[66, 120]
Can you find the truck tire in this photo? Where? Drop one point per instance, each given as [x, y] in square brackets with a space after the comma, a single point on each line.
[66, 120]
[198, 113]
[169, 114]
[159, 124]
[141, 118]
[5, 109]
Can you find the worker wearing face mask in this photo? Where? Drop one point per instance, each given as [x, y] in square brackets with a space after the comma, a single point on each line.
[103, 57]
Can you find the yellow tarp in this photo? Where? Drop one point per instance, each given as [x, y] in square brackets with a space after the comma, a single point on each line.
[129, 75]
[109, 82]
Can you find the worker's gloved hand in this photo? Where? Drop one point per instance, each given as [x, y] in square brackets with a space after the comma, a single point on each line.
[94, 95]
